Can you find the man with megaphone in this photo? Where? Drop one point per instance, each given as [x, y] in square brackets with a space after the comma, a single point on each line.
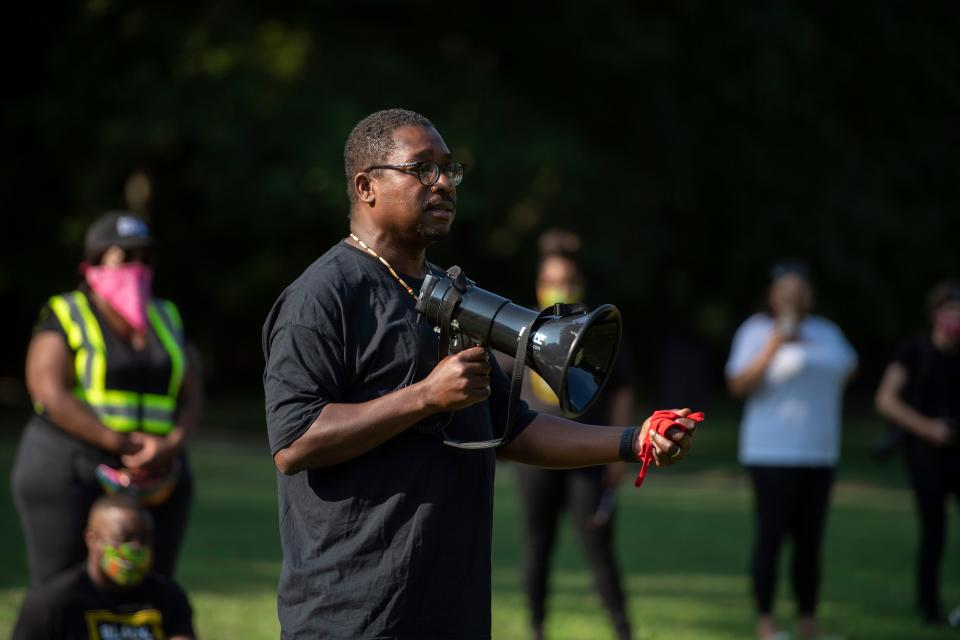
[386, 450]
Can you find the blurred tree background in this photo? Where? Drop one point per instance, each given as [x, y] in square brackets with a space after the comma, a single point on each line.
[691, 144]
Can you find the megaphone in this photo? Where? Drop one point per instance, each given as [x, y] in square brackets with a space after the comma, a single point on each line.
[571, 348]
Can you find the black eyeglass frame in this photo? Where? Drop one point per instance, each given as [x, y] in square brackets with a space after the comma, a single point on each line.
[414, 167]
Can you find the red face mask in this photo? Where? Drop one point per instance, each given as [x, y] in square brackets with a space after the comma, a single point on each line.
[946, 320]
[126, 288]
[950, 326]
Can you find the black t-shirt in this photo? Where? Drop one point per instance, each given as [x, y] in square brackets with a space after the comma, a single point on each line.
[72, 607]
[933, 385]
[396, 542]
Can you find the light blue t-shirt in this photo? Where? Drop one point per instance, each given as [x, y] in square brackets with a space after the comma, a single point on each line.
[793, 417]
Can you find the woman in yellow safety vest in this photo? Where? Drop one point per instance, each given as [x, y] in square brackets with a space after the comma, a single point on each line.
[115, 395]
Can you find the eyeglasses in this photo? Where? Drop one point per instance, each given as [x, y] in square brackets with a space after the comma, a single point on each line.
[428, 171]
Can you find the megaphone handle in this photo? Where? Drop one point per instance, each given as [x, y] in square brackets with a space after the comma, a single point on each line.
[445, 318]
[516, 382]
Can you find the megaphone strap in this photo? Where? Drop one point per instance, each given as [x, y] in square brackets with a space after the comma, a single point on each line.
[660, 421]
[516, 380]
[516, 385]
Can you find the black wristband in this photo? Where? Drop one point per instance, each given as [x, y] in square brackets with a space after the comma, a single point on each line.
[627, 452]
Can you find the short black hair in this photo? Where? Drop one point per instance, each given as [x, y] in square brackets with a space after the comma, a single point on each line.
[123, 502]
[559, 242]
[371, 141]
[791, 267]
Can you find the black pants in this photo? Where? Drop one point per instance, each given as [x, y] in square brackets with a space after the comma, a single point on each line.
[54, 486]
[545, 494]
[789, 501]
[934, 475]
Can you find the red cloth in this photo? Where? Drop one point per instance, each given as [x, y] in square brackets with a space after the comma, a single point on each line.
[660, 422]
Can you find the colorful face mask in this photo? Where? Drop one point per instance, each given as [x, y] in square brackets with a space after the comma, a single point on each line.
[126, 564]
[126, 288]
[549, 296]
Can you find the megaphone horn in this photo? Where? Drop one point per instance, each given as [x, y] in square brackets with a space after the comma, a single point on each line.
[571, 348]
[574, 353]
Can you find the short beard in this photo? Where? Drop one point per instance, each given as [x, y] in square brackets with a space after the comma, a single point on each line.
[430, 236]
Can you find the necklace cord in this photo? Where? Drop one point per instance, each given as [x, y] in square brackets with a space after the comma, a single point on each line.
[444, 419]
[383, 260]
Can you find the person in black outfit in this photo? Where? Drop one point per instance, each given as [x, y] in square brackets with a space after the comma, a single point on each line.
[588, 493]
[115, 395]
[385, 530]
[920, 393]
[113, 594]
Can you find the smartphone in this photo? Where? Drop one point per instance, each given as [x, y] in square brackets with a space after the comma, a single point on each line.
[788, 326]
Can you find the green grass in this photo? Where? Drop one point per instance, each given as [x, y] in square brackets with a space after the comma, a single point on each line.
[683, 541]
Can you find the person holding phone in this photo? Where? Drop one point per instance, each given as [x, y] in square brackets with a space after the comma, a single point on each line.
[791, 367]
[920, 393]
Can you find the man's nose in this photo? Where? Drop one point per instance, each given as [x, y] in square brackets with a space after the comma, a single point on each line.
[443, 183]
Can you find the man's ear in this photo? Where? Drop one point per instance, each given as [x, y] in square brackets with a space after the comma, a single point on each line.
[364, 188]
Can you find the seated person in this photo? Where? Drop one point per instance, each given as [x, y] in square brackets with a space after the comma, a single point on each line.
[112, 595]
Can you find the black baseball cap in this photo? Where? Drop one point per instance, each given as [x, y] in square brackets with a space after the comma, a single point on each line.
[117, 228]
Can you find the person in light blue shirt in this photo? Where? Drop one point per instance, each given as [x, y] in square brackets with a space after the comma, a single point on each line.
[791, 367]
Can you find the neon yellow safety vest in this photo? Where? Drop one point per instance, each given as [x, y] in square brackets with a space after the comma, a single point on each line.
[119, 409]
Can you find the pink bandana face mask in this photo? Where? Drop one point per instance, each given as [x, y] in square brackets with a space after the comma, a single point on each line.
[126, 288]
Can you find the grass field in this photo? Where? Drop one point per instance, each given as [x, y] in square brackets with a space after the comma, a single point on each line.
[683, 542]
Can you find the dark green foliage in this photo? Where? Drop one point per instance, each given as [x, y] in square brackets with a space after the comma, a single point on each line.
[690, 144]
